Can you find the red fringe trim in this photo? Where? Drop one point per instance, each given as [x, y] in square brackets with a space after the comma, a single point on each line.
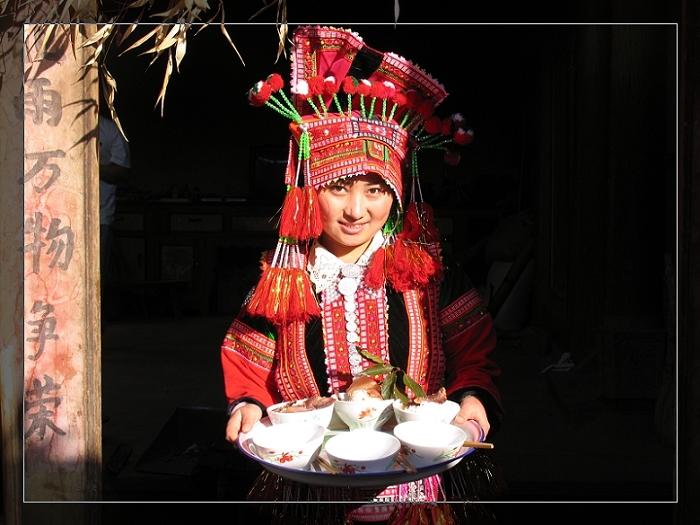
[284, 295]
[313, 221]
[419, 223]
[409, 266]
[290, 217]
[374, 278]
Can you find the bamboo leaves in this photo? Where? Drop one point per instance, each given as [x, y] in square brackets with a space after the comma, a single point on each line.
[390, 384]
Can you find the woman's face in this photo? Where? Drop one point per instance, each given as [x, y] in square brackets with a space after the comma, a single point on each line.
[353, 211]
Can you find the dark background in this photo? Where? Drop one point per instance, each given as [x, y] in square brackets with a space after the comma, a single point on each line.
[600, 192]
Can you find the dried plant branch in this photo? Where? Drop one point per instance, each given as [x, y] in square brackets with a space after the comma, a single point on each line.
[169, 37]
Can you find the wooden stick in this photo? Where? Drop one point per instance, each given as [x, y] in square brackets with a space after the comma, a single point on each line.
[325, 464]
[477, 444]
[406, 464]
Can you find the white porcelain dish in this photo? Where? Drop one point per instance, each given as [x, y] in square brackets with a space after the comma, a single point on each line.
[294, 445]
[321, 416]
[366, 414]
[362, 451]
[425, 442]
[444, 412]
[316, 475]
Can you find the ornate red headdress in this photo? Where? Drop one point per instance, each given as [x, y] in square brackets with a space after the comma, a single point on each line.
[354, 110]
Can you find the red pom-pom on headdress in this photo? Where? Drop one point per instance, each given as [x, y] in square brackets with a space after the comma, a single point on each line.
[463, 137]
[316, 85]
[399, 98]
[350, 85]
[276, 82]
[426, 108]
[446, 127]
[377, 90]
[433, 125]
[389, 90]
[259, 94]
[413, 99]
[363, 87]
[330, 86]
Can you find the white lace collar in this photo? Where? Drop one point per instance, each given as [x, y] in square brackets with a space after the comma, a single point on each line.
[324, 267]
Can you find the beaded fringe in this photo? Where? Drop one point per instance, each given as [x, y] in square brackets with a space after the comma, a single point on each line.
[464, 490]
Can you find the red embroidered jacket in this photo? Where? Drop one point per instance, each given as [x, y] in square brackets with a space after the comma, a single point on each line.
[443, 337]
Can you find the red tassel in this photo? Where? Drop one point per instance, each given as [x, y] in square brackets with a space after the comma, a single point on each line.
[258, 301]
[409, 265]
[302, 301]
[312, 219]
[295, 310]
[374, 278]
[431, 233]
[419, 223]
[290, 216]
[311, 307]
[411, 224]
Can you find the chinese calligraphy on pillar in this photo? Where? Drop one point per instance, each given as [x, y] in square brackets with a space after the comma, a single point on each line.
[61, 254]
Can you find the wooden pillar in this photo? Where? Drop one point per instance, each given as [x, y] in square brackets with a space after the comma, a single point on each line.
[60, 244]
[11, 275]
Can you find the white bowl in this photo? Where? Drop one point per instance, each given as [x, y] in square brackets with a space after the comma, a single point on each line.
[427, 442]
[290, 445]
[362, 451]
[320, 416]
[443, 412]
[367, 414]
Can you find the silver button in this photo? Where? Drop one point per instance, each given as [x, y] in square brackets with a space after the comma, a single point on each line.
[347, 286]
[350, 270]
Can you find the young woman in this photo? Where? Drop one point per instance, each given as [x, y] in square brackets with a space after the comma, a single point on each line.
[357, 266]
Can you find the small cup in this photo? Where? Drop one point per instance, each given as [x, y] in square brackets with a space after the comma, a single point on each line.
[425, 443]
[321, 416]
[290, 445]
[362, 451]
[443, 412]
[368, 414]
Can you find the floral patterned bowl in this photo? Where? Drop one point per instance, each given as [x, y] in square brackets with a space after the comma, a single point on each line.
[424, 443]
[321, 415]
[362, 451]
[444, 412]
[366, 414]
[291, 445]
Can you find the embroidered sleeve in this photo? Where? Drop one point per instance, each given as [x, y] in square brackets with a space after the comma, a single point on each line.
[469, 343]
[248, 358]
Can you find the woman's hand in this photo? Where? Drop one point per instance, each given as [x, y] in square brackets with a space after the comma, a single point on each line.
[472, 408]
[242, 420]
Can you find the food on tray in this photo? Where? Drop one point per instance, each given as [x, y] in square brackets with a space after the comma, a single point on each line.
[305, 405]
[363, 388]
[438, 397]
[435, 407]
